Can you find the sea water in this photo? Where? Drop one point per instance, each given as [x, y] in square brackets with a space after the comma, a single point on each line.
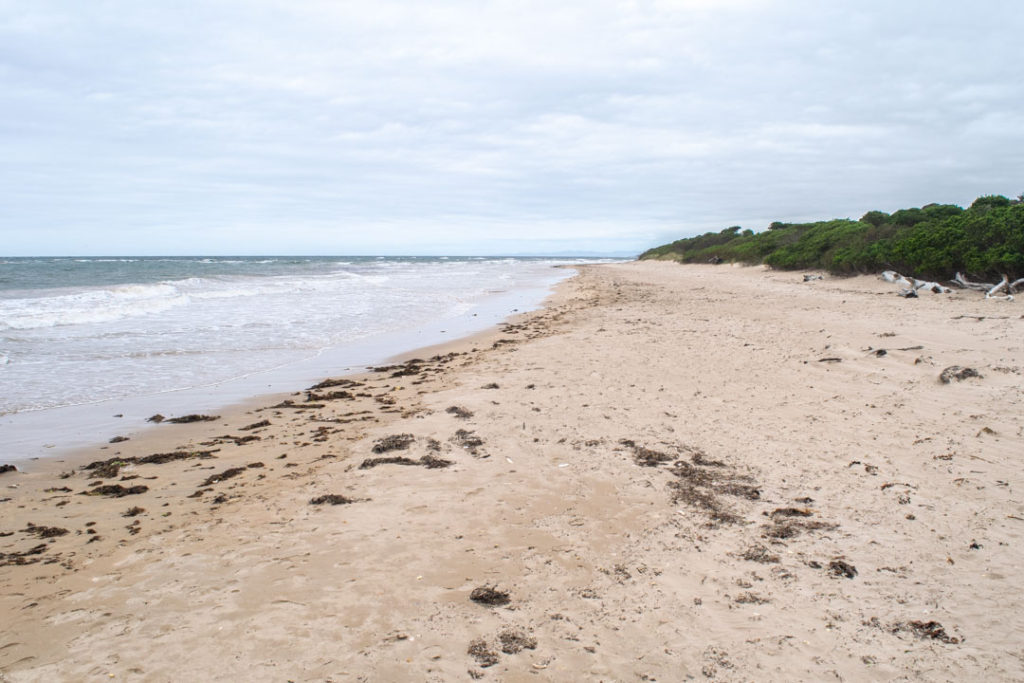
[121, 331]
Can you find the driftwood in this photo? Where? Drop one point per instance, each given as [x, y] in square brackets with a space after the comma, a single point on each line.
[992, 289]
[967, 284]
[910, 286]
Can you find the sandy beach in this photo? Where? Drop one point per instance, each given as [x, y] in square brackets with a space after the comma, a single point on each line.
[669, 473]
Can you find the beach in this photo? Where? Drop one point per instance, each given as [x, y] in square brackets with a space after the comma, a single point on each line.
[667, 473]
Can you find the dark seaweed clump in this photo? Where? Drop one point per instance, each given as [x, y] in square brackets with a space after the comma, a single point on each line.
[108, 469]
[459, 412]
[116, 490]
[395, 442]
[229, 473]
[926, 629]
[513, 641]
[955, 372]
[186, 419]
[44, 531]
[331, 499]
[429, 461]
[840, 568]
[468, 440]
[482, 653]
[489, 595]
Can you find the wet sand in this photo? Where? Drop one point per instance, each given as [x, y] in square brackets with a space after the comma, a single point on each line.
[670, 472]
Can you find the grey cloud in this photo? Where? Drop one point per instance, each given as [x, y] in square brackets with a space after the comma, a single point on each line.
[472, 126]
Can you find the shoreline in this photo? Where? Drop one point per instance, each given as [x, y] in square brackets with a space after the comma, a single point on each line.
[30, 439]
[660, 468]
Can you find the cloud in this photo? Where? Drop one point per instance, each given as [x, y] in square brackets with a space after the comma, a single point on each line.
[342, 126]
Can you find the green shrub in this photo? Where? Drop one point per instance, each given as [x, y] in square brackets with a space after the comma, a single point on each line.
[934, 241]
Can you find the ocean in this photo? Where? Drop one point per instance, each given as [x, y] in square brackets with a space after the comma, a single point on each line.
[121, 331]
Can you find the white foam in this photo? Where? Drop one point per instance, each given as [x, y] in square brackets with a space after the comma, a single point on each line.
[143, 339]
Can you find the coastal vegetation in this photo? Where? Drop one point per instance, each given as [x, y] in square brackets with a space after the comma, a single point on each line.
[933, 241]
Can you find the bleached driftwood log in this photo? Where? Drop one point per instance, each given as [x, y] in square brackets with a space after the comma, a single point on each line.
[895, 278]
[967, 284]
[994, 292]
[991, 289]
[913, 283]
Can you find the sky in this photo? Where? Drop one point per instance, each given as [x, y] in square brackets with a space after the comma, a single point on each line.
[476, 127]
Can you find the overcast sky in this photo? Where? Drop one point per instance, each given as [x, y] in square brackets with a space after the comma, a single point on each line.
[334, 127]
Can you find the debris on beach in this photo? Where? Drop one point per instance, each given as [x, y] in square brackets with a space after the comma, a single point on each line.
[841, 568]
[116, 490]
[30, 556]
[187, 419]
[313, 397]
[429, 461]
[482, 653]
[288, 403]
[108, 469]
[255, 425]
[955, 372]
[412, 367]
[646, 457]
[791, 512]
[157, 419]
[44, 531]
[459, 412]
[391, 460]
[331, 499]
[791, 528]
[4, 469]
[926, 630]
[229, 473]
[468, 440]
[228, 438]
[395, 442]
[118, 439]
[331, 383]
[760, 554]
[699, 482]
[490, 596]
[749, 598]
[133, 511]
[513, 641]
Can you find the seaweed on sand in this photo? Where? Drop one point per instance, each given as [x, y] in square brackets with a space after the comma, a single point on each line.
[490, 596]
[513, 641]
[116, 490]
[468, 440]
[482, 653]
[700, 483]
[429, 461]
[187, 419]
[395, 442]
[331, 499]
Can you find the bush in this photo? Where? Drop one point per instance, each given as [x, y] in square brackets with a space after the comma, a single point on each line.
[934, 241]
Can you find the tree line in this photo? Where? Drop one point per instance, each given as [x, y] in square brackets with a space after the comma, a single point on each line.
[985, 240]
